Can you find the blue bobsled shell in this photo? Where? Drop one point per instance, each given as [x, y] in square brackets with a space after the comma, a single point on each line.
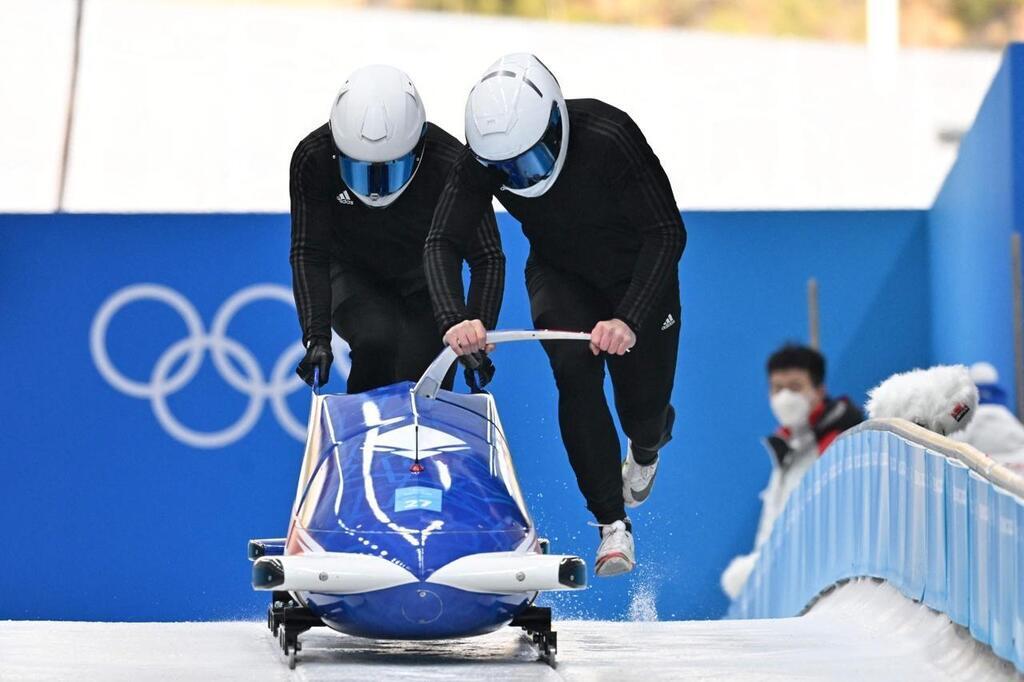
[419, 483]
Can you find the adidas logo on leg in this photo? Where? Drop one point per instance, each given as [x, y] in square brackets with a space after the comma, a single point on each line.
[344, 198]
[669, 321]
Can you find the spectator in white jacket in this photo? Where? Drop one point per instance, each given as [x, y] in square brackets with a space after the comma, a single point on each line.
[809, 420]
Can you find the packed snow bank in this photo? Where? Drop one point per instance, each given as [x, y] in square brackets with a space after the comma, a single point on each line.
[929, 638]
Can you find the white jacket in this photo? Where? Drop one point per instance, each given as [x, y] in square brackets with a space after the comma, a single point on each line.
[783, 481]
[791, 454]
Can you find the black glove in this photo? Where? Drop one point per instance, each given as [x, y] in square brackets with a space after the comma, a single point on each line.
[318, 357]
[479, 370]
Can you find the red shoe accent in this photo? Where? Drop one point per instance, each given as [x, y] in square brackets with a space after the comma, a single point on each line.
[603, 559]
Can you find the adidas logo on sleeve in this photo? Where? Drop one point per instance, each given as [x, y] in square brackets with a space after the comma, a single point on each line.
[344, 198]
[669, 321]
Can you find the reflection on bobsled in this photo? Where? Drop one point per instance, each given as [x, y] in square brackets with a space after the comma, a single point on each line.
[409, 523]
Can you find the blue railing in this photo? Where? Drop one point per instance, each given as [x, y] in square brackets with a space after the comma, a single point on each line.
[934, 518]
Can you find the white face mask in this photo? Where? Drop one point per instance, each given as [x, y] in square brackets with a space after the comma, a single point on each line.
[790, 408]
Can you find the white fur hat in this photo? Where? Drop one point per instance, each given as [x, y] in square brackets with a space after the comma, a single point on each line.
[942, 399]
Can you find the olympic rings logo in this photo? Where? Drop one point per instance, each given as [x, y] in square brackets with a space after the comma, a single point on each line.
[251, 382]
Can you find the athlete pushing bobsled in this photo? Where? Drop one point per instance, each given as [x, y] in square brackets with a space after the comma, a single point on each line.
[364, 187]
[605, 241]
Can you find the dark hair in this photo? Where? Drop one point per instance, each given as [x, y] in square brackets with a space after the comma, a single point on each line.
[795, 356]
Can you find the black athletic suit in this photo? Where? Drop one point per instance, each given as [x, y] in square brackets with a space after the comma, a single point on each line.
[605, 242]
[362, 268]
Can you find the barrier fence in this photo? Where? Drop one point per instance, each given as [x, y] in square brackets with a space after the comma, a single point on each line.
[935, 518]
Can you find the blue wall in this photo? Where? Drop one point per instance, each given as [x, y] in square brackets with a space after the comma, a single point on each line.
[970, 225]
[155, 529]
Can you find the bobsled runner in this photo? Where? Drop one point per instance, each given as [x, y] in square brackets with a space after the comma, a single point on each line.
[408, 521]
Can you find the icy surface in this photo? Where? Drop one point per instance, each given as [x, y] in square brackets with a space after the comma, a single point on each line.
[862, 631]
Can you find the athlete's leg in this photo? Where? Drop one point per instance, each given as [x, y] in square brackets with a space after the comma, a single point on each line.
[559, 300]
[366, 316]
[643, 379]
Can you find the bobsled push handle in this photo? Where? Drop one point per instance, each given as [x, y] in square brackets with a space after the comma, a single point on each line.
[430, 382]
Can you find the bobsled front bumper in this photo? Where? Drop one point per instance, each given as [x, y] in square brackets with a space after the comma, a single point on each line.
[349, 573]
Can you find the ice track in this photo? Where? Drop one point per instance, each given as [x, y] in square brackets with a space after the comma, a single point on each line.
[862, 631]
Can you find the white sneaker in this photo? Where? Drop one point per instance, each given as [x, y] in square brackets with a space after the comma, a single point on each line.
[637, 479]
[616, 554]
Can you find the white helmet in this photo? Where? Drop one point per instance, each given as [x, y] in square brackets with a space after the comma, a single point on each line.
[378, 124]
[516, 121]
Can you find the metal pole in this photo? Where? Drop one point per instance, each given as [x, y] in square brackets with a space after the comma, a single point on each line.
[72, 91]
[1018, 321]
[883, 26]
[812, 313]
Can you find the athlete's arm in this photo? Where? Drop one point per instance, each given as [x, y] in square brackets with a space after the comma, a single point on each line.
[464, 228]
[486, 271]
[649, 205]
[310, 255]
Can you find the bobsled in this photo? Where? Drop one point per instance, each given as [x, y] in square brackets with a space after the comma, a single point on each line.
[409, 523]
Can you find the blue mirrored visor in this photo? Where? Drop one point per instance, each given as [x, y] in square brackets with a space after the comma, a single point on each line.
[379, 178]
[537, 162]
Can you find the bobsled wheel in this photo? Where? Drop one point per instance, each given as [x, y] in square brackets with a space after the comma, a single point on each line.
[536, 622]
[548, 646]
[289, 646]
[288, 621]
